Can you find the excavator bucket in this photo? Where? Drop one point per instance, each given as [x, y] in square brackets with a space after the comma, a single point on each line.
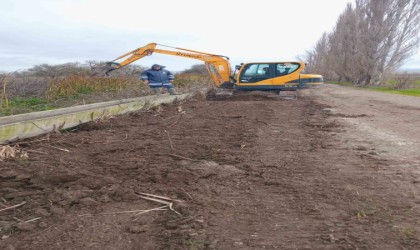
[218, 93]
[224, 92]
[105, 69]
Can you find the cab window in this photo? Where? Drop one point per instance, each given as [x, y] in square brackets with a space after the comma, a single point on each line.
[286, 68]
[255, 72]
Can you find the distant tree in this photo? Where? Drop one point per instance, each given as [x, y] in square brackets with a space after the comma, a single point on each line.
[370, 41]
[132, 70]
[404, 80]
[44, 70]
[196, 69]
[93, 64]
[66, 69]
[91, 67]
[316, 60]
[343, 57]
[391, 29]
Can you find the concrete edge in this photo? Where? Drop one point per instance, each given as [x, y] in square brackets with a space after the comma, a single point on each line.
[68, 110]
[23, 126]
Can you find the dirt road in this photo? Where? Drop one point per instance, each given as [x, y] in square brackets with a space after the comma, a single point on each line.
[388, 122]
[337, 168]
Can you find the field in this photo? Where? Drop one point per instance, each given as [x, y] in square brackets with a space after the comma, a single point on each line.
[334, 168]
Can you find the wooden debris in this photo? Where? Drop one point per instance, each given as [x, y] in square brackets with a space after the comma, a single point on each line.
[140, 211]
[169, 138]
[162, 200]
[8, 152]
[14, 206]
[159, 197]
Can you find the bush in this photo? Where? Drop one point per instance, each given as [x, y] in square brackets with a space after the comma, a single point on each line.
[74, 86]
[185, 80]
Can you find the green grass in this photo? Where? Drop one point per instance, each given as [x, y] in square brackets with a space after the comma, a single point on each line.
[414, 81]
[343, 83]
[410, 92]
[21, 105]
[28, 102]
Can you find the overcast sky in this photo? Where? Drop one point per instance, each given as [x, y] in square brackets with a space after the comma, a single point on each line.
[60, 31]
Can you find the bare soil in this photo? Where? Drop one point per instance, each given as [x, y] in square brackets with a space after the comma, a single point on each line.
[328, 170]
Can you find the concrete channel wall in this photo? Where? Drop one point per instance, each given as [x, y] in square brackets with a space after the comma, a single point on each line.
[23, 126]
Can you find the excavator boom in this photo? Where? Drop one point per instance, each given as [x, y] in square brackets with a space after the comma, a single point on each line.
[218, 66]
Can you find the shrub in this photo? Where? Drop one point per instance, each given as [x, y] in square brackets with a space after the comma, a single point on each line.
[186, 80]
[74, 86]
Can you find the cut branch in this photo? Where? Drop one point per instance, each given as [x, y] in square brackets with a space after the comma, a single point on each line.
[14, 206]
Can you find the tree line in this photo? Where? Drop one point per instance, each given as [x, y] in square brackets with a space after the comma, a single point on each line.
[370, 41]
[92, 68]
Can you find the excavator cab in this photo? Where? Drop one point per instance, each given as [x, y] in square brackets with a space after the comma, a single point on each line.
[269, 76]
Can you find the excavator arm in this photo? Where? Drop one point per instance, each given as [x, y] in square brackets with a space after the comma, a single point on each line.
[218, 66]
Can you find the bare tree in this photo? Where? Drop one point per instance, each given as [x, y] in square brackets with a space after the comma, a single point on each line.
[316, 60]
[370, 41]
[390, 35]
[344, 56]
[196, 69]
[404, 81]
[66, 69]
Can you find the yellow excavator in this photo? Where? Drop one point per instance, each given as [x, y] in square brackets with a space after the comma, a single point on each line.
[260, 76]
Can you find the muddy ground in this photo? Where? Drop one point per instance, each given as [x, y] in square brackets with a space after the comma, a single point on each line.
[254, 171]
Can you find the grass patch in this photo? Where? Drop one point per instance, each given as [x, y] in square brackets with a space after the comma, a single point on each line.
[27, 102]
[193, 245]
[191, 80]
[75, 86]
[407, 232]
[343, 83]
[21, 105]
[360, 214]
[410, 92]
